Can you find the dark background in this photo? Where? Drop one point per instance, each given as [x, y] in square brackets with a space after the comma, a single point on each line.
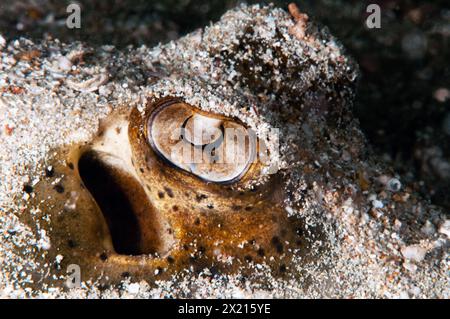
[403, 101]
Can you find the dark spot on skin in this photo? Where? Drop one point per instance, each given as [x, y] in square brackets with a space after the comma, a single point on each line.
[71, 243]
[236, 208]
[252, 241]
[279, 248]
[148, 187]
[169, 191]
[277, 244]
[170, 259]
[118, 129]
[175, 208]
[200, 197]
[282, 268]
[59, 188]
[214, 271]
[142, 170]
[160, 270]
[70, 165]
[28, 188]
[100, 133]
[210, 206]
[248, 208]
[248, 258]
[197, 221]
[103, 256]
[169, 231]
[49, 172]
[275, 240]
[161, 194]
[125, 274]
[185, 247]
[104, 287]
[261, 252]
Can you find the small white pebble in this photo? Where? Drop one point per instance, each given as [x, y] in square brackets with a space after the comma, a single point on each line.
[133, 288]
[348, 209]
[207, 272]
[104, 90]
[404, 295]
[414, 253]
[365, 218]
[64, 63]
[26, 196]
[289, 210]
[415, 291]
[44, 241]
[410, 266]
[377, 204]
[59, 258]
[394, 185]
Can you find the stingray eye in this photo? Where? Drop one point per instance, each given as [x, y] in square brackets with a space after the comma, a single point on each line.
[211, 147]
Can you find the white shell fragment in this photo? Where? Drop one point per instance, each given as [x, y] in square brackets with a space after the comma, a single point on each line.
[90, 85]
[414, 252]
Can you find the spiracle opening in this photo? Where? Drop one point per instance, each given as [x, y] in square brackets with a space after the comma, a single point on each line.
[123, 202]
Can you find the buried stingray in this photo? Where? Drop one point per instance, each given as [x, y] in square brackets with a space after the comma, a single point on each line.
[91, 178]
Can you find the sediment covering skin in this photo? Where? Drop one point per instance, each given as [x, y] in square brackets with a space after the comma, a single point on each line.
[366, 239]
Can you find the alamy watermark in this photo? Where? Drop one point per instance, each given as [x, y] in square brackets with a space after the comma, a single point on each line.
[73, 21]
[73, 276]
[373, 21]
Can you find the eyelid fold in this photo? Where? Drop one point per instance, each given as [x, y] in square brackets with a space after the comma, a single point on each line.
[213, 148]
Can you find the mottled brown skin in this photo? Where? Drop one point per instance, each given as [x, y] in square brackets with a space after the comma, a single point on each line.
[177, 215]
[184, 222]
